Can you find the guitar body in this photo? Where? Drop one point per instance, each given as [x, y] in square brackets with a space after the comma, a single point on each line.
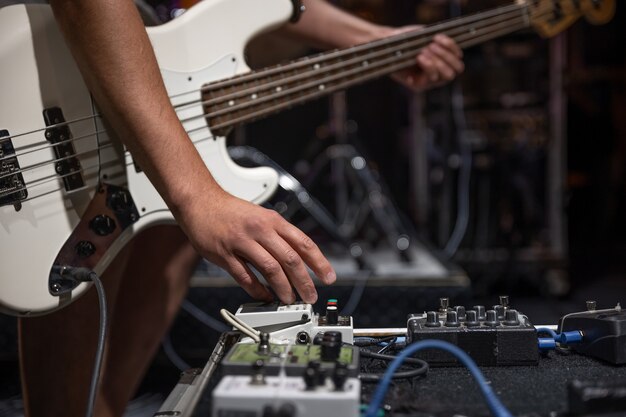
[71, 196]
[60, 215]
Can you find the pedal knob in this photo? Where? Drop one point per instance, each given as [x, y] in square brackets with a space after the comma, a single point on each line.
[499, 309]
[432, 319]
[471, 319]
[460, 312]
[330, 346]
[340, 375]
[313, 375]
[287, 410]
[258, 372]
[510, 318]
[480, 312]
[452, 320]
[491, 318]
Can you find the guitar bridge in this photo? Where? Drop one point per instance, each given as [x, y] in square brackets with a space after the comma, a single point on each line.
[12, 187]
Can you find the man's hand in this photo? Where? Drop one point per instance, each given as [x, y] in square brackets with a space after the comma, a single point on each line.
[233, 233]
[438, 63]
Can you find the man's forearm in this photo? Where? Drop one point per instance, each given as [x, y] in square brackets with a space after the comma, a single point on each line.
[325, 26]
[115, 56]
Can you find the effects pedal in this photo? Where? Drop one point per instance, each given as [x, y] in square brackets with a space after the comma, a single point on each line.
[283, 396]
[301, 367]
[296, 323]
[495, 337]
[603, 332]
[292, 359]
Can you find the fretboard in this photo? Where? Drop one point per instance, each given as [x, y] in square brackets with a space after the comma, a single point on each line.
[259, 93]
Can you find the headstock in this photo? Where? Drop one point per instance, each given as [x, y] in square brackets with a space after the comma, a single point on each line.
[550, 17]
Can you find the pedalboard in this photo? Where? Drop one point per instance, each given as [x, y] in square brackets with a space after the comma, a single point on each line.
[300, 367]
[603, 332]
[495, 337]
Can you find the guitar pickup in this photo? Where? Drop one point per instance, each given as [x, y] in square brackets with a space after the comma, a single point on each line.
[67, 165]
[12, 187]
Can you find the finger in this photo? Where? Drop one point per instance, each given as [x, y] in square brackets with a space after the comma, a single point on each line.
[271, 270]
[448, 44]
[293, 266]
[247, 280]
[309, 252]
[409, 79]
[444, 71]
[406, 29]
[447, 62]
[428, 66]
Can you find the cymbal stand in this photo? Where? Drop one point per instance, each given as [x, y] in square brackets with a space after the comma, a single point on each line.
[357, 190]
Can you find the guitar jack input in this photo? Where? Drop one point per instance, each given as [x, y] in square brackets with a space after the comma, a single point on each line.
[303, 338]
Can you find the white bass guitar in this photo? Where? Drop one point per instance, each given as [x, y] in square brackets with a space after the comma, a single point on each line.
[70, 194]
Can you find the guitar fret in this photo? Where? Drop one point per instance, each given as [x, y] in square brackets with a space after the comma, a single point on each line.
[280, 87]
[292, 92]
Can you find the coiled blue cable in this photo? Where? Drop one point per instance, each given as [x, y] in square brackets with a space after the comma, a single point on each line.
[496, 407]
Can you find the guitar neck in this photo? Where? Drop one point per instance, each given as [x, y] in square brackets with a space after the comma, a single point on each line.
[260, 93]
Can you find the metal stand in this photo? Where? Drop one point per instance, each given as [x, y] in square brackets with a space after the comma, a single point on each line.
[356, 190]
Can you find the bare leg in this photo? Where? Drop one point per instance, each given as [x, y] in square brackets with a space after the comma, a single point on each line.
[144, 288]
[147, 303]
[57, 351]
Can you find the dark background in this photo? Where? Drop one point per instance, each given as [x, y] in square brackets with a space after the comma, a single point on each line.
[510, 160]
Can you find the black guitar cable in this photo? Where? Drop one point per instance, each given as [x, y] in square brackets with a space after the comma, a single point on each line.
[420, 370]
[86, 275]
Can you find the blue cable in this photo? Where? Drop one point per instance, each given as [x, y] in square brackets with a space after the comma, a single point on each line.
[546, 343]
[573, 336]
[496, 407]
[548, 330]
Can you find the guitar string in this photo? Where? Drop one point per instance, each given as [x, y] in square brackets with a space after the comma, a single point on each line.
[321, 56]
[297, 89]
[279, 87]
[396, 43]
[40, 181]
[501, 11]
[335, 54]
[384, 70]
[472, 38]
[17, 191]
[321, 83]
[52, 145]
[407, 59]
[288, 92]
[412, 36]
[383, 42]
